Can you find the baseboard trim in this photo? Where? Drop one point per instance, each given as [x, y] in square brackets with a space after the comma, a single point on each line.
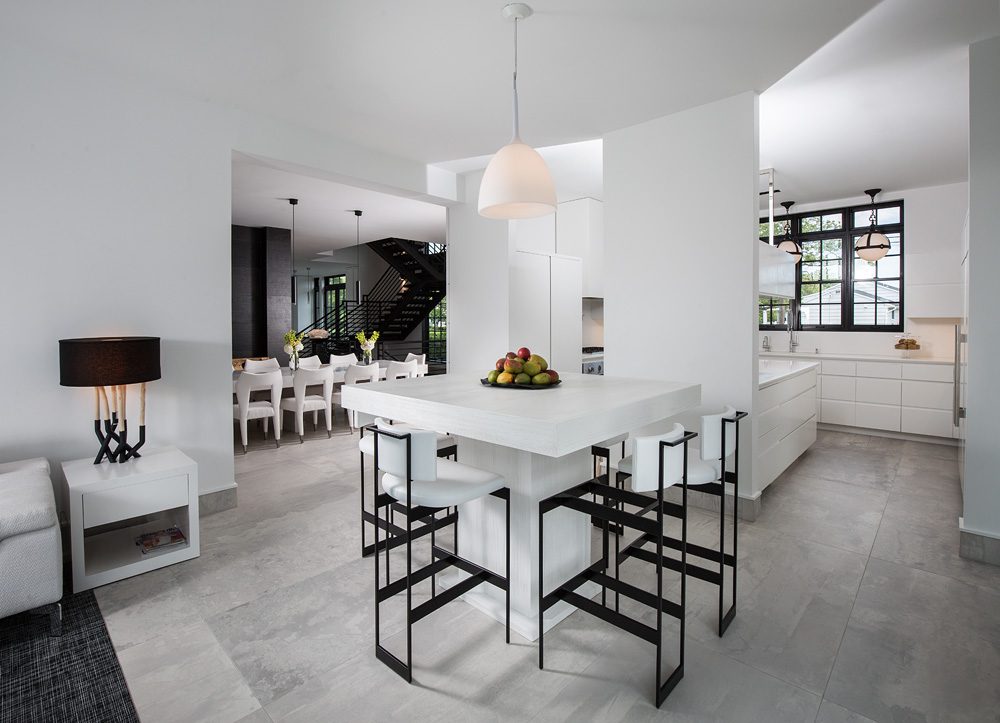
[977, 545]
[218, 500]
[906, 436]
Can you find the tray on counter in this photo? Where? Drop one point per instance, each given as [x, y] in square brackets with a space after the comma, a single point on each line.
[487, 383]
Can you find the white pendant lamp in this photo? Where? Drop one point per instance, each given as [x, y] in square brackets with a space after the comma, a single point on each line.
[788, 244]
[873, 244]
[517, 182]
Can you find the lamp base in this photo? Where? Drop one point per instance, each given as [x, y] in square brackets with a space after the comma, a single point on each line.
[123, 451]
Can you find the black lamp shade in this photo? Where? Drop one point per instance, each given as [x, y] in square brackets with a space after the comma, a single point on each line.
[108, 361]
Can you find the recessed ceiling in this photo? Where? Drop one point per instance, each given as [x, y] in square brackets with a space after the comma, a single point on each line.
[431, 80]
[322, 218]
[884, 104]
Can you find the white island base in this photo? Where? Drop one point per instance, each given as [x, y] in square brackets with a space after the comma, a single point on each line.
[530, 478]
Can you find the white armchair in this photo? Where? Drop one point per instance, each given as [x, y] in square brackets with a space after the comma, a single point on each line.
[30, 541]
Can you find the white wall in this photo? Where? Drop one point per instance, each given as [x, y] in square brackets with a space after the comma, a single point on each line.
[681, 286]
[120, 190]
[982, 453]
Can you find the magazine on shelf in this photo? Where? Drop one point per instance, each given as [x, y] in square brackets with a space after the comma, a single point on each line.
[160, 540]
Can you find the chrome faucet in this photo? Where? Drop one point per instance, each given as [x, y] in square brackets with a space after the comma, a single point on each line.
[793, 317]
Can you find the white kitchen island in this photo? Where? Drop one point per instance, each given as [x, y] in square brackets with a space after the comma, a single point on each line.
[539, 440]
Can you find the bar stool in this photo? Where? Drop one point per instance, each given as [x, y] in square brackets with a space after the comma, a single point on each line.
[419, 485]
[660, 462]
[447, 447]
[719, 441]
[599, 451]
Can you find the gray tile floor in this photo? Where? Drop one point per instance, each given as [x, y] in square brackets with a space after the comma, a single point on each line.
[853, 606]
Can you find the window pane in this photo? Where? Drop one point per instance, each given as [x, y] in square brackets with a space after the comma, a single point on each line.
[810, 271]
[864, 292]
[811, 250]
[810, 315]
[888, 215]
[830, 314]
[831, 293]
[864, 314]
[810, 224]
[888, 267]
[887, 291]
[863, 269]
[762, 231]
[810, 293]
[832, 248]
[831, 270]
[862, 218]
[887, 314]
[894, 243]
[833, 222]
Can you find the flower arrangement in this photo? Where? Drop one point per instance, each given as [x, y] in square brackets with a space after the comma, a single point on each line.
[367, 344]
[293, 345]
[318, 334]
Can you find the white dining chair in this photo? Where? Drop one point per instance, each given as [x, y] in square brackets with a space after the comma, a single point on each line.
[255, 366]
[244, 409]
[338, 361]
[355, 374]
[303, 402]
[310, 362]
[420, 359]
[401, 370]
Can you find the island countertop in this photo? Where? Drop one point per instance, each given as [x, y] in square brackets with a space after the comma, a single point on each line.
[583, 410]
[772, 371]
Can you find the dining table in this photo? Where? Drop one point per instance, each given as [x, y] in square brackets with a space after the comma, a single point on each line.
[539, 440]
[339, 371]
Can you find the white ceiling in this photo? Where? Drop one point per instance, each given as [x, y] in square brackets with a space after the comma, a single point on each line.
[322, 218]
[431, 80]
[884, 104]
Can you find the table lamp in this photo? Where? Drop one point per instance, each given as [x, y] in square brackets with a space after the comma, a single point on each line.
[113, 362]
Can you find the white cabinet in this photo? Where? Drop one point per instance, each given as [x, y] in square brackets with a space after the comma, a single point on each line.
[837, 412]
[929, 372]
[776, 272]
[927, 395]
[841, 388]
[535, 234]
[877, 416]
[880, 370]
[878, 391]
[838, 367]
[579, 232]
[933, 422]
[546, 307]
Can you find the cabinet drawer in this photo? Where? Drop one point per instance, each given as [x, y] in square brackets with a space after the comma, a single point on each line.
[880, 370]
[929, 372]
[933, 422]
[144, 498]
[839, 368]
[841, 388]
[835, 412]
[878, 391]
[927, 395]
[877, 416]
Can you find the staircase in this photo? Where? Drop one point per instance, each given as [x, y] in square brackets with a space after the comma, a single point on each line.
[399, 301]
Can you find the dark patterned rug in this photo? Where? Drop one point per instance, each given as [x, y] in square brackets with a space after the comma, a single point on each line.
[75, 677]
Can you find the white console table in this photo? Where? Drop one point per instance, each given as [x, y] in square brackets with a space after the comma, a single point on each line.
[111, 504]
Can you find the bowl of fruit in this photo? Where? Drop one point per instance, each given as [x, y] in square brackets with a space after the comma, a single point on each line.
[522, 370]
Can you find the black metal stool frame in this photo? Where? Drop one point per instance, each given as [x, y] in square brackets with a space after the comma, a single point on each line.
[612, 511]
[705, 553]
[442, 560]
[371, 518]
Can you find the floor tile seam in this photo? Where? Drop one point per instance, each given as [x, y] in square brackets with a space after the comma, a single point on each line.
[982, 587]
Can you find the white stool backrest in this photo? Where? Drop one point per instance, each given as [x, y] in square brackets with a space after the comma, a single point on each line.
[646, 460]
[418, 358]
[398, 370]
[356, 373]
[260, 365]
[310, 377]
[342, 360]
[248, 381]
[392, 452]
[310, 362]
[711, 434]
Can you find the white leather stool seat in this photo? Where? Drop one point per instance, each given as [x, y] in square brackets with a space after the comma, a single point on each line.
[699, 471]
[456, 484]
[367, 443]
[312, 403]
[255, 410]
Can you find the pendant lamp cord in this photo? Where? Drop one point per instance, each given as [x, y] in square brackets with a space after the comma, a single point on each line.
[517, 129]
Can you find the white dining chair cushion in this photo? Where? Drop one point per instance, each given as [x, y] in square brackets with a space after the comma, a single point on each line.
[710, 438]
[310, 362]
[260, 365]
[700, 472]
[646, 460]
[392, 452]
[456, 484]
[396, 369]
[255, 410]
[311, 403]
[367, 443]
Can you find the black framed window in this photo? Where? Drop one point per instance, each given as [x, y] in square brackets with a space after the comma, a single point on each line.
[836, 290]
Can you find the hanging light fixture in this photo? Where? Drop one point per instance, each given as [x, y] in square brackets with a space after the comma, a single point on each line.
[517, 182]
[788, 244]
[873, 244]
[357, 254]
[293, 202]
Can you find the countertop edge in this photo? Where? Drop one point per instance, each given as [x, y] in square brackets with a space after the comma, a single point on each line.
[784, 376]
[806, 356]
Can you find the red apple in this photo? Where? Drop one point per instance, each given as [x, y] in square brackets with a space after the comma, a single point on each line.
[514, 366]
[499, 364]
[511, 355]
[524, 352]
[553, 374]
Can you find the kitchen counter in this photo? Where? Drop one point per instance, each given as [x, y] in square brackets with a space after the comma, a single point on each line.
[773, 371]
[805, 355]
